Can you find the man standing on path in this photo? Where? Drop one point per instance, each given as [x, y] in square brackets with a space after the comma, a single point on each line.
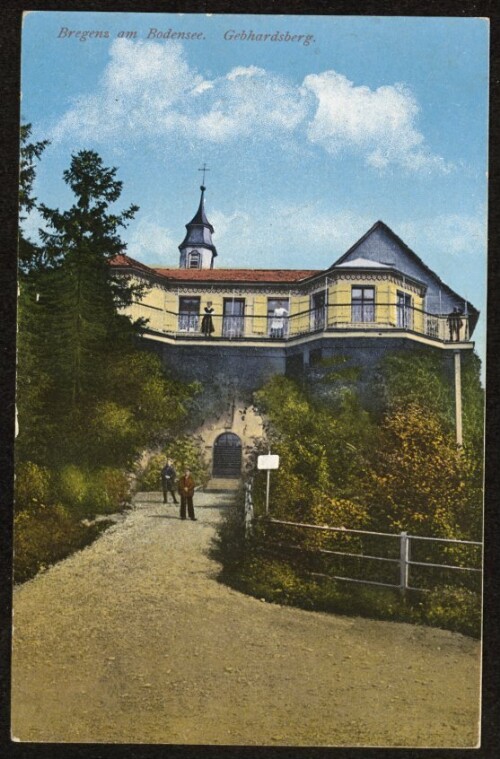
[168, 481]
[186, 492]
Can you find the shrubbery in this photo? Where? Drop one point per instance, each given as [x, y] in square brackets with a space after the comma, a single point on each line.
[46, 534]
[250, 566]
[52, 511]
[389, 466]
[185, 452]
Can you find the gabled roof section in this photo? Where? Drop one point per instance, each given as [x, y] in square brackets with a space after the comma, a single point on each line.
[383, 245]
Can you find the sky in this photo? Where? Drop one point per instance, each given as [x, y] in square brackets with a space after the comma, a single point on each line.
[310, 135]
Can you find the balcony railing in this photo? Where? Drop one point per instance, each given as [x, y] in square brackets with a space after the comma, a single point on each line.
[332, 317]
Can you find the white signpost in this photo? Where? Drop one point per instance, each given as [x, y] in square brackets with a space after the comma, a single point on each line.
[268, 462]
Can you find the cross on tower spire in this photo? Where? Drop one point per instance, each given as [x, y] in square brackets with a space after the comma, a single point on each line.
[204, 169]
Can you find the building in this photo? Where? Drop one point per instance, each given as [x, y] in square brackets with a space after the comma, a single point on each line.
[376, 298]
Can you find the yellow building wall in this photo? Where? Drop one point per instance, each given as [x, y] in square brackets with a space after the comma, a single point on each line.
[340, 303]
[418, 314]
[259, 315]
[385, 299]
[160, 306]
[170, 318]
[299, 314]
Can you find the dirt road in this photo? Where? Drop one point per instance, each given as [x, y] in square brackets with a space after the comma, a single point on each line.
[134, 640]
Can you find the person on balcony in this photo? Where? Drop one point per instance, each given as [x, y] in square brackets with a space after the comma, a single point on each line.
[207, 325]
[278, 322]
[455, 324]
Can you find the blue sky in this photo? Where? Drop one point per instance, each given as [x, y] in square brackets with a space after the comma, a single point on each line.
[307, 144]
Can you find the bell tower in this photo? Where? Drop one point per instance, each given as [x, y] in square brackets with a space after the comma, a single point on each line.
[197, 250]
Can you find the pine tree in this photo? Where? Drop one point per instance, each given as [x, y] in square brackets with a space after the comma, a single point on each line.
[29, 254]
[87, 395]
[79, 292]
[33, 379]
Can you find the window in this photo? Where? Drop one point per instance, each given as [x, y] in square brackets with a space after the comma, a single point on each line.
[189, 309]
[363, 304]
[278, 310]
[233, 319]
[194, 260]
[404, 310]
[318, 303]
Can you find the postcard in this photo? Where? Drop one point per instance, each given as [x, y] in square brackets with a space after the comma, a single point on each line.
[252, 278]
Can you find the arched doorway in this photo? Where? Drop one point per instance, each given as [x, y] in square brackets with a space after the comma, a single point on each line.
[227, 455]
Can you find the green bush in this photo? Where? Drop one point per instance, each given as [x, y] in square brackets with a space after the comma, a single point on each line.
[454, 608]
[108, 491]
[87, 492]
[184, 452]
[72, 486]
[45, 535]
[261, 569]
[48, 521]
[32, 486]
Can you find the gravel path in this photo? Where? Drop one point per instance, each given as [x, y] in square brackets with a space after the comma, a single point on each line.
[133, 640]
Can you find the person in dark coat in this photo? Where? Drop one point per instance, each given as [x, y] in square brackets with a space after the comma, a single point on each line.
[207, 324]
[168, 476]
[186, 492]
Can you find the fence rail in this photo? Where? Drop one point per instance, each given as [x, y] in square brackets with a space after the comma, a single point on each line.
[330, 317]
[404, 560]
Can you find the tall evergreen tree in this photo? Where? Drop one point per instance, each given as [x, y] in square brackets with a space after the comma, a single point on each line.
[29, 253]
[86, 394]
[33, 379]
[79, 293]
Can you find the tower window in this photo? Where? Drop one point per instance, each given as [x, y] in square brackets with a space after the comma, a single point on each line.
[194, 260]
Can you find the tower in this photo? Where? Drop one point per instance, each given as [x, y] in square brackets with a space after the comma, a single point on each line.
[197, 249]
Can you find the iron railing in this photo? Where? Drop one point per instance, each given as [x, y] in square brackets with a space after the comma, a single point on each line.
[333, 317]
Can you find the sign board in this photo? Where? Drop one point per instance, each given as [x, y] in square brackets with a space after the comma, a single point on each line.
[268, 462]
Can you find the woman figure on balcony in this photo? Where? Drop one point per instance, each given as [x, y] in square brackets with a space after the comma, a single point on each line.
[207, 325]
[278, 322]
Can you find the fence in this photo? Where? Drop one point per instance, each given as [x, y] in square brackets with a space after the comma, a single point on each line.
[330, 317]
[403, 562]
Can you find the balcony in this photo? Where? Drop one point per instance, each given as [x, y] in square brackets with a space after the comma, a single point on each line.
[335, 318]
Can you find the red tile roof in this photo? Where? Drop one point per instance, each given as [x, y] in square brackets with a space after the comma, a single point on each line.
[129, 263]
[217, 275]
[236, 275]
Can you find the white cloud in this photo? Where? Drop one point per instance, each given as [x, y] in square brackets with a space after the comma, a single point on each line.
[152, 243]
[454, 235]
[319, 237]
[245, 71]
[150, 89]
[379, 124]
